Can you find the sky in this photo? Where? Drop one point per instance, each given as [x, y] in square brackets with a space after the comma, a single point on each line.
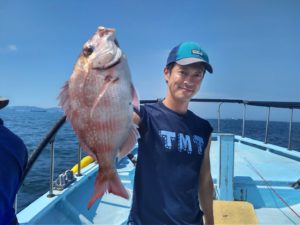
[253, 46]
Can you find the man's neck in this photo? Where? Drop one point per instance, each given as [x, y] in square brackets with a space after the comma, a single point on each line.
[176, 106]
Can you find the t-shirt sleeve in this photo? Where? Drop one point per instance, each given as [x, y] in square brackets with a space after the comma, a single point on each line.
[208, 132]
[210, 129]
[143, 119]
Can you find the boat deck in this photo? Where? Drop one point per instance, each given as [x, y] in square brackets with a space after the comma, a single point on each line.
[263, 177]
[262, 174]
[70, 205]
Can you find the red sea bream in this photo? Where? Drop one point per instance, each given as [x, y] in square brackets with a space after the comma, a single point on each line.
[98, 101]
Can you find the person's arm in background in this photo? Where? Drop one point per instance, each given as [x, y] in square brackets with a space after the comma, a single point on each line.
[206, 188]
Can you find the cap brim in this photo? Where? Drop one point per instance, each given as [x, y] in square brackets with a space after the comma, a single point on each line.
[3, 103]
[188, 61]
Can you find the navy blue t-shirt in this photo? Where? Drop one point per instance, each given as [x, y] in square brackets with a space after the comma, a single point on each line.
[13, 159]
[170, 154]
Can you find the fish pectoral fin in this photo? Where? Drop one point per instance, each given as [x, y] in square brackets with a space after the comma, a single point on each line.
[129, 143]
[108, 81]
[135, 98]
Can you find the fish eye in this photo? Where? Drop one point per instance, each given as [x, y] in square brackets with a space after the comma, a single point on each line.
[87, 51]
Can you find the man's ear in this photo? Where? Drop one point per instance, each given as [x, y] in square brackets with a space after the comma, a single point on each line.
[166, 74]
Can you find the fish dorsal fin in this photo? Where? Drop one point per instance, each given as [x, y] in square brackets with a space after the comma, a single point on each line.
[64, 96]
[64, 100]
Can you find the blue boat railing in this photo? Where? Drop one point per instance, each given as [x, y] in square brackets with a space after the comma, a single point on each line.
[50, 137]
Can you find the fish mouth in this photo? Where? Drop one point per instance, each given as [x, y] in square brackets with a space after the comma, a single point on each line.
[108, 66]
[117, 58]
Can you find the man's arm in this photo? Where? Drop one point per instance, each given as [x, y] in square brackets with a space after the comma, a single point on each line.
[206, 188]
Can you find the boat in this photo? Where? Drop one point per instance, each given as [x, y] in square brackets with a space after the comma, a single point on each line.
[255, 182]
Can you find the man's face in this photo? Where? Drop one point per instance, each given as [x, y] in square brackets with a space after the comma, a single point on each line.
[184, 81]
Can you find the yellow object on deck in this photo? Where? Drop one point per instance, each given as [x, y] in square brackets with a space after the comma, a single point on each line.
[83, 163]
[234, 212]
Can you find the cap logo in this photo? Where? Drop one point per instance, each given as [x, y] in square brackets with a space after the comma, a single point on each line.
[197, 52]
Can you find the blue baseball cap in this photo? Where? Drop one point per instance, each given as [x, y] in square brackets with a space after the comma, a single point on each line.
[3, 102]
[188, 53]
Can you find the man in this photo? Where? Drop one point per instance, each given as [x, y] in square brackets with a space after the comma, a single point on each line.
[173, 167]
[13, 159]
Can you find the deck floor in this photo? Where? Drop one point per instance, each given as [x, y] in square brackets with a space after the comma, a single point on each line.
[265, 178]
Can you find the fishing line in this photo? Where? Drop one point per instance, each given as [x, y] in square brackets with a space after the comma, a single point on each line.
[270, 187]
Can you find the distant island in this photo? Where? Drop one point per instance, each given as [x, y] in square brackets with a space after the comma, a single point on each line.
[33, 109]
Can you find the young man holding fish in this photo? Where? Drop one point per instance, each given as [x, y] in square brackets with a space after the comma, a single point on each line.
[173, 168]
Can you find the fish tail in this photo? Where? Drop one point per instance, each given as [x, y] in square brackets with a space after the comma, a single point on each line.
[101, 185]
[112, 185]
[116, 187]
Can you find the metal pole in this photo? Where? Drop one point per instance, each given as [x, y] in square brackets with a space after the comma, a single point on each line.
[267, 126]
[290, 130]
[244, 118]
[79, 159]
[219, 117]
[226, 167]
[50, 195]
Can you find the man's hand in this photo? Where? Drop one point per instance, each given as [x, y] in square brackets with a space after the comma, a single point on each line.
[136, 118]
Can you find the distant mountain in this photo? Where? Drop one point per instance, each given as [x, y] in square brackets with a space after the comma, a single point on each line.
[33, 109]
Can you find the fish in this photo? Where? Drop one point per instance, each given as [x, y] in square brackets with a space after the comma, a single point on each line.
[99, 100]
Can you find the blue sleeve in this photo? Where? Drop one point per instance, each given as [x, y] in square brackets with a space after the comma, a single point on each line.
[13, 159]
[143, 119]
